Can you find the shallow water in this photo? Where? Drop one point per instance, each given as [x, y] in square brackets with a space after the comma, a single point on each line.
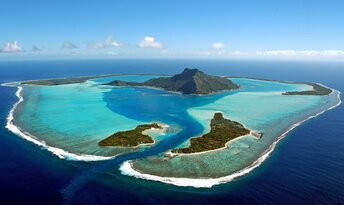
[76, 117]
[263, 109]
[305, 168]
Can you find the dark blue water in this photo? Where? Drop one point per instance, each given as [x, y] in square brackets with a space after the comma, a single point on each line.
[306, 168]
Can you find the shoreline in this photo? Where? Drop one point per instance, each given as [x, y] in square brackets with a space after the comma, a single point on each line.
[213, 150]
[162, 75]
[62, 154]
[91, 78]
[126, 167]
[156, 130]
[171, 154]
[283, 81]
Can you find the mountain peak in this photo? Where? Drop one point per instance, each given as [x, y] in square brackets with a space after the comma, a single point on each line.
[191, 70]
[190, 81]
[187, 73]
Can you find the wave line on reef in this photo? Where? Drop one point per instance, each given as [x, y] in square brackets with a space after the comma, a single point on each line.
[127, 169]
[126, 166]
[62, 154]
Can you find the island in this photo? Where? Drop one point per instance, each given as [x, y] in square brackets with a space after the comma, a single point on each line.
[242, 126]
[62, 81]
[190, 81]
[318, 89]
[130, 138]
[222, 131]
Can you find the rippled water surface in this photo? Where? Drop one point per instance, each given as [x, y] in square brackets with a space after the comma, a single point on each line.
[305, 167]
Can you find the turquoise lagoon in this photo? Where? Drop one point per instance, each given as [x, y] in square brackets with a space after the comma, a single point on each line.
[76, 117]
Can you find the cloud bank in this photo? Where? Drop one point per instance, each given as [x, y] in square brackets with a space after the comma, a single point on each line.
[301, 53]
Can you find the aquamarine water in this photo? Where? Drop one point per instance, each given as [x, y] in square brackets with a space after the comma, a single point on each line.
[260, 106]
[76, 117]
[308, 163]
[72, 117]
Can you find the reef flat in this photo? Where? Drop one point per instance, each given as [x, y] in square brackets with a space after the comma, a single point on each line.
[317, 90]
[59, 119]
[62, 81]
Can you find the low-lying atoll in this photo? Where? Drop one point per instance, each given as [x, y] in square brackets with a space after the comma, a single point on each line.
[62, 81]
[318, 89]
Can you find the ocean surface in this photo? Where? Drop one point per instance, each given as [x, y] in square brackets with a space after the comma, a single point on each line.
[305, 168]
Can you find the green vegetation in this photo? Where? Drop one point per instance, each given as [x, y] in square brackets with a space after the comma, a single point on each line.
[61, 81]
[317, 90]
[130, 138]
[222, 131]
[190, 81]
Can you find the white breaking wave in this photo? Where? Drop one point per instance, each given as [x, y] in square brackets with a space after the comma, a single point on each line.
[127, 169]
[62, 154]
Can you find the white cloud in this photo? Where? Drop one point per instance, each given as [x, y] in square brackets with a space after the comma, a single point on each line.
[110, 42]
[12, 47]
[149, 42]
[276, 53]
[68, 45]
[218, 45]
[107, 43]
[308, 52]
[301, 53]
[333, 52]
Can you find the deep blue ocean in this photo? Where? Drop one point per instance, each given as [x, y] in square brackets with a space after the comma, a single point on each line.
[307, 167]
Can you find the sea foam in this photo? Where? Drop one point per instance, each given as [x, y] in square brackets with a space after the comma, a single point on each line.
[127, 169]
[62, 154]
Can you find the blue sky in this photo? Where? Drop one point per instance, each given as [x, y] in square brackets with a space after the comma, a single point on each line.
[287, 29]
